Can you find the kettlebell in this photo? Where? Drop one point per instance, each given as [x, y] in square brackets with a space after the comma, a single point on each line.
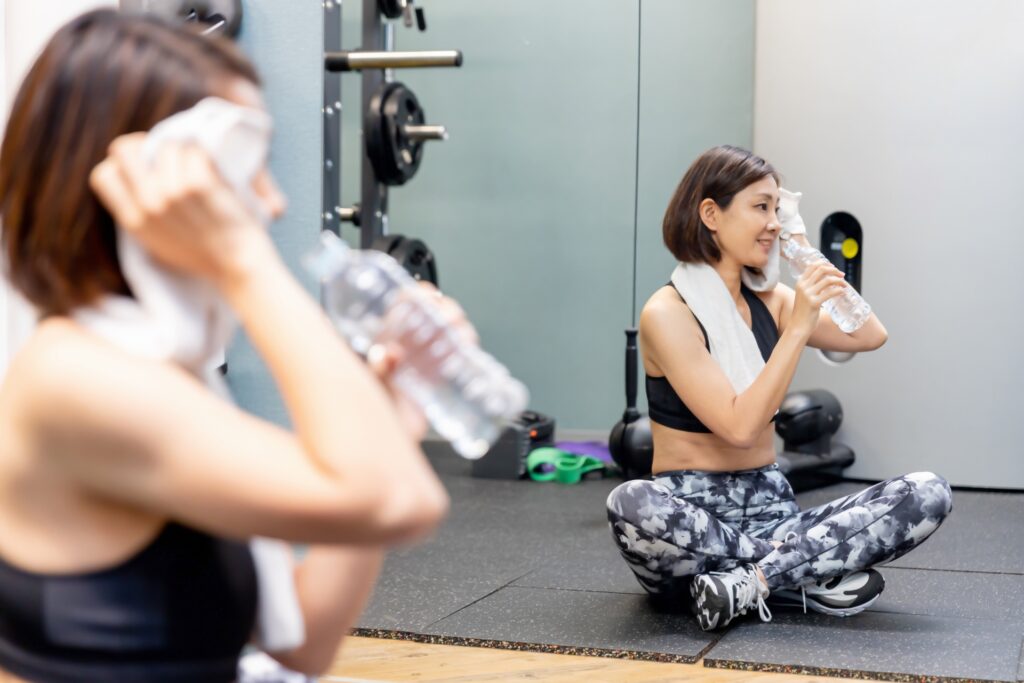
[807, 420]
[630, 442]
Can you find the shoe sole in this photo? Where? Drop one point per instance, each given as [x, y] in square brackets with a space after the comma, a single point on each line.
[698, 588]
[794, 600]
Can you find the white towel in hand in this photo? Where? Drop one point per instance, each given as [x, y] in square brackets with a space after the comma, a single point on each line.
[732, 343]
[180, 319]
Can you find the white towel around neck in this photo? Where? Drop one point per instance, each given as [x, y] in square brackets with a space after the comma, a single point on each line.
[732, 343]
[180, 319]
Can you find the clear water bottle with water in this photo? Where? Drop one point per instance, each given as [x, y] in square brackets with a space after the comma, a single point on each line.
[848, 310]
[466, 395]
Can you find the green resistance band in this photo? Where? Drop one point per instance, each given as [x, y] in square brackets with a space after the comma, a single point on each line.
[568, 468]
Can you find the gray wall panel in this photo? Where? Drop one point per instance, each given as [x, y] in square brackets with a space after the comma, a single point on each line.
[529, 205]
[696, 91]
[287, 48]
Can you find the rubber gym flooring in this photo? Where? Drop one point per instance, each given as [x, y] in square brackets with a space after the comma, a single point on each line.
[531, 566]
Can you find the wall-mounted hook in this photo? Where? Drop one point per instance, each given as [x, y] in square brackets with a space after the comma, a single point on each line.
[220, 16]
[392, 9]
[215, 22]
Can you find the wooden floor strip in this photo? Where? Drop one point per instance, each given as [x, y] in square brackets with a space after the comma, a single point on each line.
[377, 660]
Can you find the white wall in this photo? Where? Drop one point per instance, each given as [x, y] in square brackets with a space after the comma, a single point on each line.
[29, 24]
[25, 25]
[3, 61]
[910, 115]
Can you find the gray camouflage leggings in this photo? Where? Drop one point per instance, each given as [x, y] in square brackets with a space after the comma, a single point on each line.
[683, 523]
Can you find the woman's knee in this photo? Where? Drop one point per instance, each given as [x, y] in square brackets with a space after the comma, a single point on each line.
[934, 496]
[630, 499]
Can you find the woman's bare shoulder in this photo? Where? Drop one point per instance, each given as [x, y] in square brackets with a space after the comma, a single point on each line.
[59, 345]
[63, 362]
[666, 319]
[664, 301]
[56, 347]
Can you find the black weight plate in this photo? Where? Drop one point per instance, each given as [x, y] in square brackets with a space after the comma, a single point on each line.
[412, 254]
[378, 148]
[400, 108]
[416, 257]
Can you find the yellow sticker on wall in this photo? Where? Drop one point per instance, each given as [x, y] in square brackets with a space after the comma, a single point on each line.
[850, 247]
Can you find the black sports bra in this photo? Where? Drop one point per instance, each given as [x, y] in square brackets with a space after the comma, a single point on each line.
[664, 404]
[180, 610]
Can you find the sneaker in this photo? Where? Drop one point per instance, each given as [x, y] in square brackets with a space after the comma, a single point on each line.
[720, 597]
[840, 596]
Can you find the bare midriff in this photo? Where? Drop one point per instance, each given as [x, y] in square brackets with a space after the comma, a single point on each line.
[675, 449]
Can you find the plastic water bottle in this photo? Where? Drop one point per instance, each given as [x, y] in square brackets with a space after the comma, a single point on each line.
[466, 395]
[848, 310]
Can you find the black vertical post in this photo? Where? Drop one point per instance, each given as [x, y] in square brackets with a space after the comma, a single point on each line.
[374, 200]
[331, 115]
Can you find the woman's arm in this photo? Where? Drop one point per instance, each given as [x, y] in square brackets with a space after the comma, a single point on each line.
[670, 334]
[333, 584]
[327, 390]
[147, 434]
[827, 335]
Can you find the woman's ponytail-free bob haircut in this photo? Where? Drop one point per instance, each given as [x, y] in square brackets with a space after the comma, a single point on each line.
[718, 174]
[103, 75]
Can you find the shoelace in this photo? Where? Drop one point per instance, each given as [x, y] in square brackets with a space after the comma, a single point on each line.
[748, 594]
[803, 593]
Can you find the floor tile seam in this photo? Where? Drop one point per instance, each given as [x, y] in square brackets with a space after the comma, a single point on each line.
[896, 677]
[709, 647]
[573, 590]
[951, 571]
[999, 620]
[483, 597]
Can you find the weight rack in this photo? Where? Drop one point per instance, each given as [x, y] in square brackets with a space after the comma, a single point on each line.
[374, 60]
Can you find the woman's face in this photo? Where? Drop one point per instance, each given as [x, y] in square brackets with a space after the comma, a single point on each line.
[746, 231]
[241, 91]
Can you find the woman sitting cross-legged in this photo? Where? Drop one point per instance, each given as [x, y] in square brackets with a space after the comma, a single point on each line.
[717, 523]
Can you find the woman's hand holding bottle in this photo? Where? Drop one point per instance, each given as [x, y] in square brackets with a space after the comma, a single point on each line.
[817, 284]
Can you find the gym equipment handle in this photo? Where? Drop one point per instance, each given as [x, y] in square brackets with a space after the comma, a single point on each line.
[426, 132]
[355, 60]
[348, 214]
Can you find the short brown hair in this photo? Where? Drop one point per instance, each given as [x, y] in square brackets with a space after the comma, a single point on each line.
[102, 75]
[718, 174]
